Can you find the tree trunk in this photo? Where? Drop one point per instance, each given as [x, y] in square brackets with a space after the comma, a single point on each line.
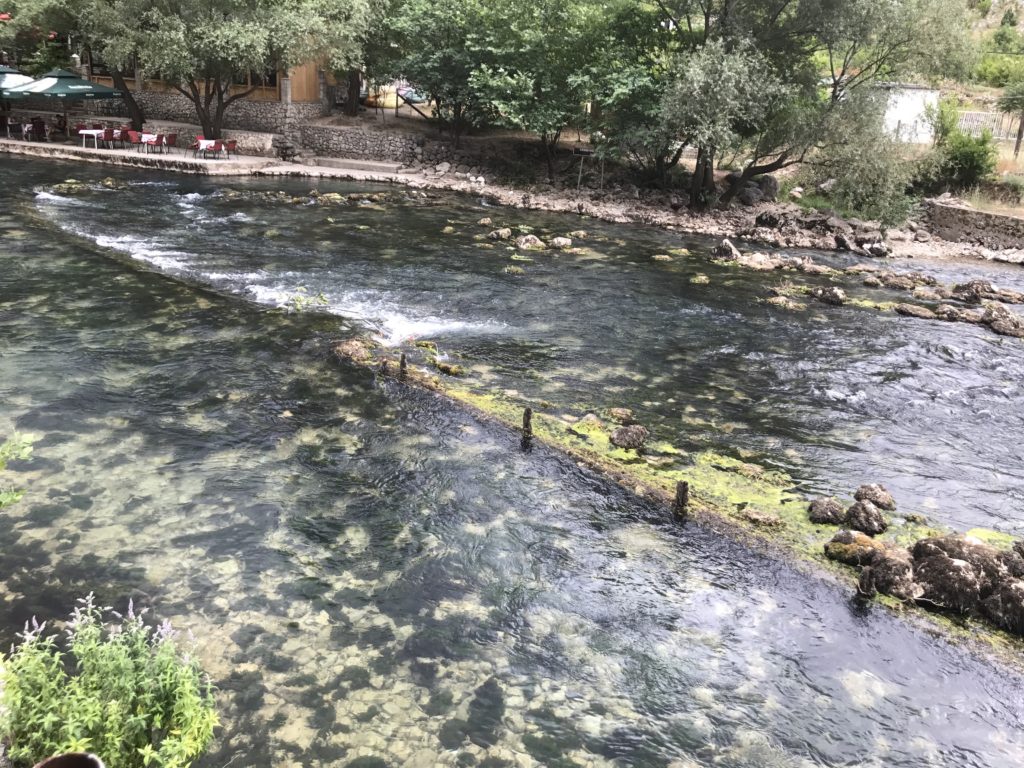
[1020, 137]
[702, 185]
[352, 96]
[135, 113]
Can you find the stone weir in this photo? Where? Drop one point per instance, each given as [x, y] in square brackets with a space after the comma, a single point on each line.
[181, 163]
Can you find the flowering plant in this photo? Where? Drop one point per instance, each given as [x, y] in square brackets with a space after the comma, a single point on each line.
[126, 692]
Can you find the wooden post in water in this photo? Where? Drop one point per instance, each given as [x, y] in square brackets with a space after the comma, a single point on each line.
[680, 507]
[403, 367]
[528, 423]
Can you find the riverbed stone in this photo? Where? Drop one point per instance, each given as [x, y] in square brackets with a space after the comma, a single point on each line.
[632, 436]
[948, 583]
[866, 517]
[560, 243]
[830, 294]
[486, 222]
[726, 250]
[354, 350]
[877, 495]
[853, 548]
[760, 518]
[621, 415]
[915, 310]
[1003, 321]
[893, 573]
[530, 243]
[500, 234]
[826, 510]
[1005, 606]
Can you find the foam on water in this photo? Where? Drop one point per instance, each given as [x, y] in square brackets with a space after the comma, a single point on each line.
[49, 197]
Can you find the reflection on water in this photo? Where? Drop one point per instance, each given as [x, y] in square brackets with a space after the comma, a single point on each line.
[378, 579]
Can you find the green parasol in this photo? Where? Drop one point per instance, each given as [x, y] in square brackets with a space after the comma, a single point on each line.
[63, 85]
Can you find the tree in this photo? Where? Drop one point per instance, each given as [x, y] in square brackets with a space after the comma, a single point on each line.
[77, 20]
[202, 47]
[718, 94]
[537, 56]
[437, 51]
[1012, 102]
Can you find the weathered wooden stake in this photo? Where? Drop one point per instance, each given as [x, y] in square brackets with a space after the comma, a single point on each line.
[402, 366]
[680, 507]
[528, 422]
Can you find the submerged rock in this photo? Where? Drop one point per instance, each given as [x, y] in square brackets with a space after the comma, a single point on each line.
[786, 303]
[1003, 321]
[485, 222]
[500, 234]
[877, 495]
[632, 436]
[621, 415]
[561, 243]
[826, 510]
[866, 517]
[355, 350]
[853, 548]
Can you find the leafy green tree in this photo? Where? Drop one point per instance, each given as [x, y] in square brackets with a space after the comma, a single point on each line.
[537, 56]
[1012, 102]
[438, 53]
[202, 47]
[626, 118]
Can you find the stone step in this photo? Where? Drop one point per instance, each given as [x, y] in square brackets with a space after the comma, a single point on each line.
[354, 164]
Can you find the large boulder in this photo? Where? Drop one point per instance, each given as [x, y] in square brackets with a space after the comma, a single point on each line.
[992, 565]
[630, 436]
[826, 510]
[866, 517]
[853, 548]
[750, 195]
[877, 495]
[769, 187]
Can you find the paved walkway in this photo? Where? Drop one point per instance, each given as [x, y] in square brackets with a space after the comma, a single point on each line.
[175, 161]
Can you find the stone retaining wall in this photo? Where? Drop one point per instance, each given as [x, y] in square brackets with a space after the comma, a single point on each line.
[246, 115]
[338, 141]
[968, 225]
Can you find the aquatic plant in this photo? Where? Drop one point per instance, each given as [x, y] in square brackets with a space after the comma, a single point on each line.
[301, 301]
[15, 448]
[126, 692]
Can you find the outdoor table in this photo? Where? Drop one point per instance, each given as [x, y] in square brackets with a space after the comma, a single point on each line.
[95, 133]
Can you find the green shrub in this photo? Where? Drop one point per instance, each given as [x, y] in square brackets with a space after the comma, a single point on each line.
[998, 69]
[1009, 18]
[127, 693]
[983, 7]
[962, 161]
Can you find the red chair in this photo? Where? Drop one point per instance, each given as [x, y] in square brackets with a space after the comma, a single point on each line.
[79, 127]
[170, 141]
[131, 138]
[98, 126]
[194, 146]
[156, 143]
[231, 147]
[217, 147]
[108, 138]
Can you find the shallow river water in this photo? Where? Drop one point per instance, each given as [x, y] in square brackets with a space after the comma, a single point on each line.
[375, 578]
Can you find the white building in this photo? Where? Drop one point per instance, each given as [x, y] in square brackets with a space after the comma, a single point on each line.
[906, 115]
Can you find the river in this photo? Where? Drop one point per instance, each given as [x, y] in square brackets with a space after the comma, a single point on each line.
[376, 578]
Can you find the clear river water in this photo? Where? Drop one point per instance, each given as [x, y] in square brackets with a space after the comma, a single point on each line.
[376, 578]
